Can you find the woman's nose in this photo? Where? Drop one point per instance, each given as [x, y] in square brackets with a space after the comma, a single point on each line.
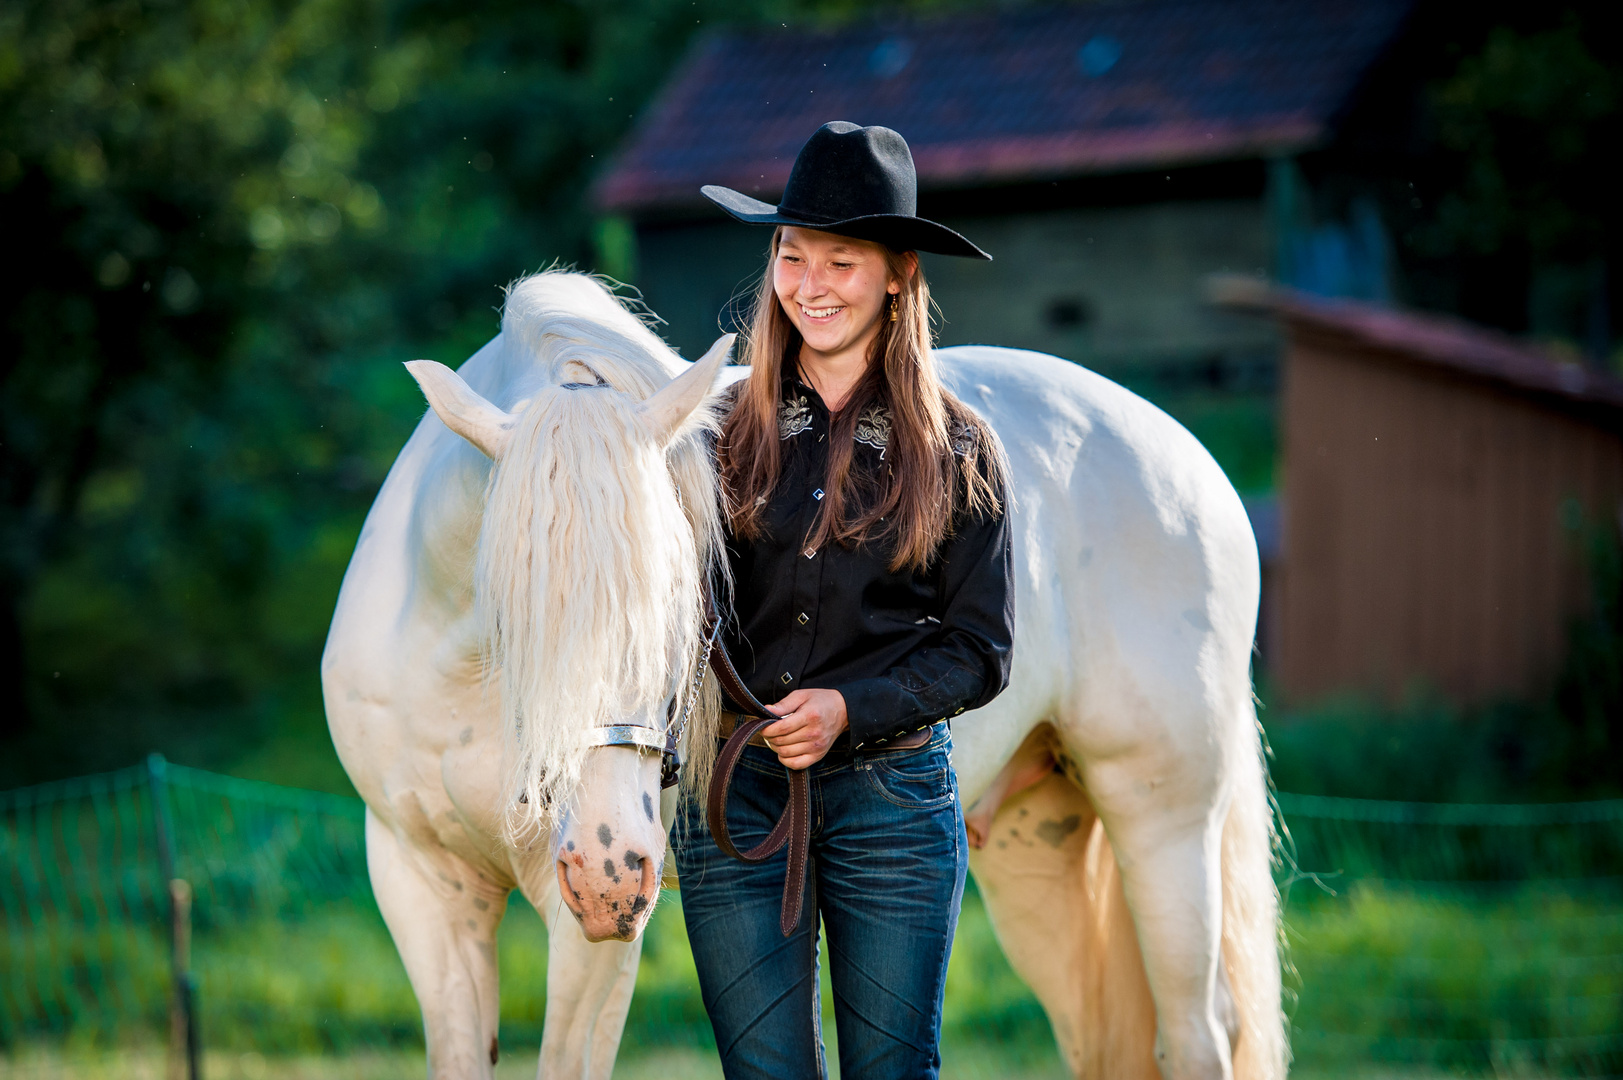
[812, 285]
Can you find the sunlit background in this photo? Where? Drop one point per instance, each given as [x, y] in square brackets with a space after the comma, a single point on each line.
[1366, 250]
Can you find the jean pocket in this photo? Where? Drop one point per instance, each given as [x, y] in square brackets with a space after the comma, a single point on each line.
[920, 781]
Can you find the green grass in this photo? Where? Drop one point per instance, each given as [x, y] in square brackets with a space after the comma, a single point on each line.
[1522, 984]
[1390, 982]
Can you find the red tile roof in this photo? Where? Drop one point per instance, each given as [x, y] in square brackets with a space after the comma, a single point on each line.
[1003, 97]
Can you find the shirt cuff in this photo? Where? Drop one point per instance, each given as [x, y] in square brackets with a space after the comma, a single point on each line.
[877, 710]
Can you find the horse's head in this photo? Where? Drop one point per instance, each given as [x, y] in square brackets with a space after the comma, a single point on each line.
[600, 518]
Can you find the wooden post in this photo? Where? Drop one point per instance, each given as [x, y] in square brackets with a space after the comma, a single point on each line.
[183, 1041]
[183, 1046]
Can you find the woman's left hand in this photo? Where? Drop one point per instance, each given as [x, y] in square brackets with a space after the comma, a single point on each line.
[811, 721]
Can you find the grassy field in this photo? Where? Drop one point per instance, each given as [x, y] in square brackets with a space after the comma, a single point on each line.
[1388, 982]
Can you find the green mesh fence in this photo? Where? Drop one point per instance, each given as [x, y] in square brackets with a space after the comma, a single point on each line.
[1476, 939]
[1467, 940]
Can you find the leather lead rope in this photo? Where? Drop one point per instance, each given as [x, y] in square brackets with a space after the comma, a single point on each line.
[794, 825]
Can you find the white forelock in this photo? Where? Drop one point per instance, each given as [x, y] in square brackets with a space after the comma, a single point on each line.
[594, 543]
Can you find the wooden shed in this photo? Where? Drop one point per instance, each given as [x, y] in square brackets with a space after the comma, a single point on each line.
[1442, 485]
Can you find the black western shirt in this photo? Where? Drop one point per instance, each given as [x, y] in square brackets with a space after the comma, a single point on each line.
[904, 648]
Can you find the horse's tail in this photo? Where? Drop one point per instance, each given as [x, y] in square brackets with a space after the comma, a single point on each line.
[1251, 926]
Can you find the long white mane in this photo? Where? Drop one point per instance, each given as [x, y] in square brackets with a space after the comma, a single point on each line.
[593, 546]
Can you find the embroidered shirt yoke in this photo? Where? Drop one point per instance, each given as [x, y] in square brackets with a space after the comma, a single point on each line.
[904, 648]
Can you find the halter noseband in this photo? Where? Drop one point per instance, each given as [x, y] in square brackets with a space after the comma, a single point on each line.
[664, 742]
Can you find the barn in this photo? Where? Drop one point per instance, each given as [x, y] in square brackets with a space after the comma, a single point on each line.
[1425, 525]
[1109, 156]
[1443, 488]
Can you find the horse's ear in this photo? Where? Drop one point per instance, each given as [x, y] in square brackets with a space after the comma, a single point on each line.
[463, 410]
[664, 413]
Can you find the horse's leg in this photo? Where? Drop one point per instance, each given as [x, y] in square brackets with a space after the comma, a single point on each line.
[1050, 885]
[588, 989]
[1165, 822]
[443, 917]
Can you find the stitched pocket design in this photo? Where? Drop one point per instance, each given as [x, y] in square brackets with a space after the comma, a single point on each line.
[924, 786]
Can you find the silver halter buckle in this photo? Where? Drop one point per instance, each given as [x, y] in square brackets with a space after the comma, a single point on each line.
[644, 738]
[663, 742]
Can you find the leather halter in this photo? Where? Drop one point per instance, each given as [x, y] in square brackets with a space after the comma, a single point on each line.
[667, 741]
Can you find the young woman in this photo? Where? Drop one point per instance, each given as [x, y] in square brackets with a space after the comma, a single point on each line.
[872, 603]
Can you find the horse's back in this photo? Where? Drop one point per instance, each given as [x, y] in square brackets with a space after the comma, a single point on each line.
[1133, 553]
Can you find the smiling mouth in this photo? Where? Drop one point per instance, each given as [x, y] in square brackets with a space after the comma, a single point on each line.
[818, 314]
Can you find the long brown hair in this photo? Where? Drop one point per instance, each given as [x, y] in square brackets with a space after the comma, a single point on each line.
[912, 503]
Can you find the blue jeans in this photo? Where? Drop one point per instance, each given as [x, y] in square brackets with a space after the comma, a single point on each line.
[888, 857]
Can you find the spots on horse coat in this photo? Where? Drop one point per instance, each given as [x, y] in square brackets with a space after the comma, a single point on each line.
[633, 861]
[609, 870]
[466, 737]
[570, 845]
[604, 836]
[481, 903]
[648, 806]
[1053, 833]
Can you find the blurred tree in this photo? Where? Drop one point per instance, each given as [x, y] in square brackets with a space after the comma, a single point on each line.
[229, 220]
[1515, 190]
[169, 170]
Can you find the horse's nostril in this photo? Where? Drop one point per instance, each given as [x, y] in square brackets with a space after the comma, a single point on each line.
[567, 892]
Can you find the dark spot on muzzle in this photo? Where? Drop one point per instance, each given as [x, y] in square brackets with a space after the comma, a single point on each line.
[633, 861]
[610, 870]
[604, 836]
[648, 806]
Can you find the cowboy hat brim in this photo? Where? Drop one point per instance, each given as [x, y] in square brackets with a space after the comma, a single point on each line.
[899, 232]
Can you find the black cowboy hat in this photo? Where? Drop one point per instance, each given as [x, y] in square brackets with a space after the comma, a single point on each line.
[854, 181]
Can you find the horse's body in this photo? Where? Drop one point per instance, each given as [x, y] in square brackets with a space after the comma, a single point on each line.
[1129, 715]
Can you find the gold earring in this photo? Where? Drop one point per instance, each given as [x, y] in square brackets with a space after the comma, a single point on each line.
[895, 306]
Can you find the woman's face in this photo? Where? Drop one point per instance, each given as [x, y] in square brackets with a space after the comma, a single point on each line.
[834, 289]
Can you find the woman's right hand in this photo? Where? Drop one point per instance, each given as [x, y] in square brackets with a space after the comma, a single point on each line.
[810, 722]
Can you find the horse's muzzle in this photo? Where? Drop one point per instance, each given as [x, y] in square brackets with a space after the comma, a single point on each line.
[605, 908]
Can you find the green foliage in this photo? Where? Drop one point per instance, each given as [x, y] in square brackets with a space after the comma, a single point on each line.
[1535, 118]
[1565, 742]
[230, 220]
[1502, 190]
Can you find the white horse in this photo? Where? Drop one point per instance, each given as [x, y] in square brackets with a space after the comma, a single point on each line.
[494, 614]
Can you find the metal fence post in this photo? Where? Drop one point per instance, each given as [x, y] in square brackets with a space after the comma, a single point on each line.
[184, 1048]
